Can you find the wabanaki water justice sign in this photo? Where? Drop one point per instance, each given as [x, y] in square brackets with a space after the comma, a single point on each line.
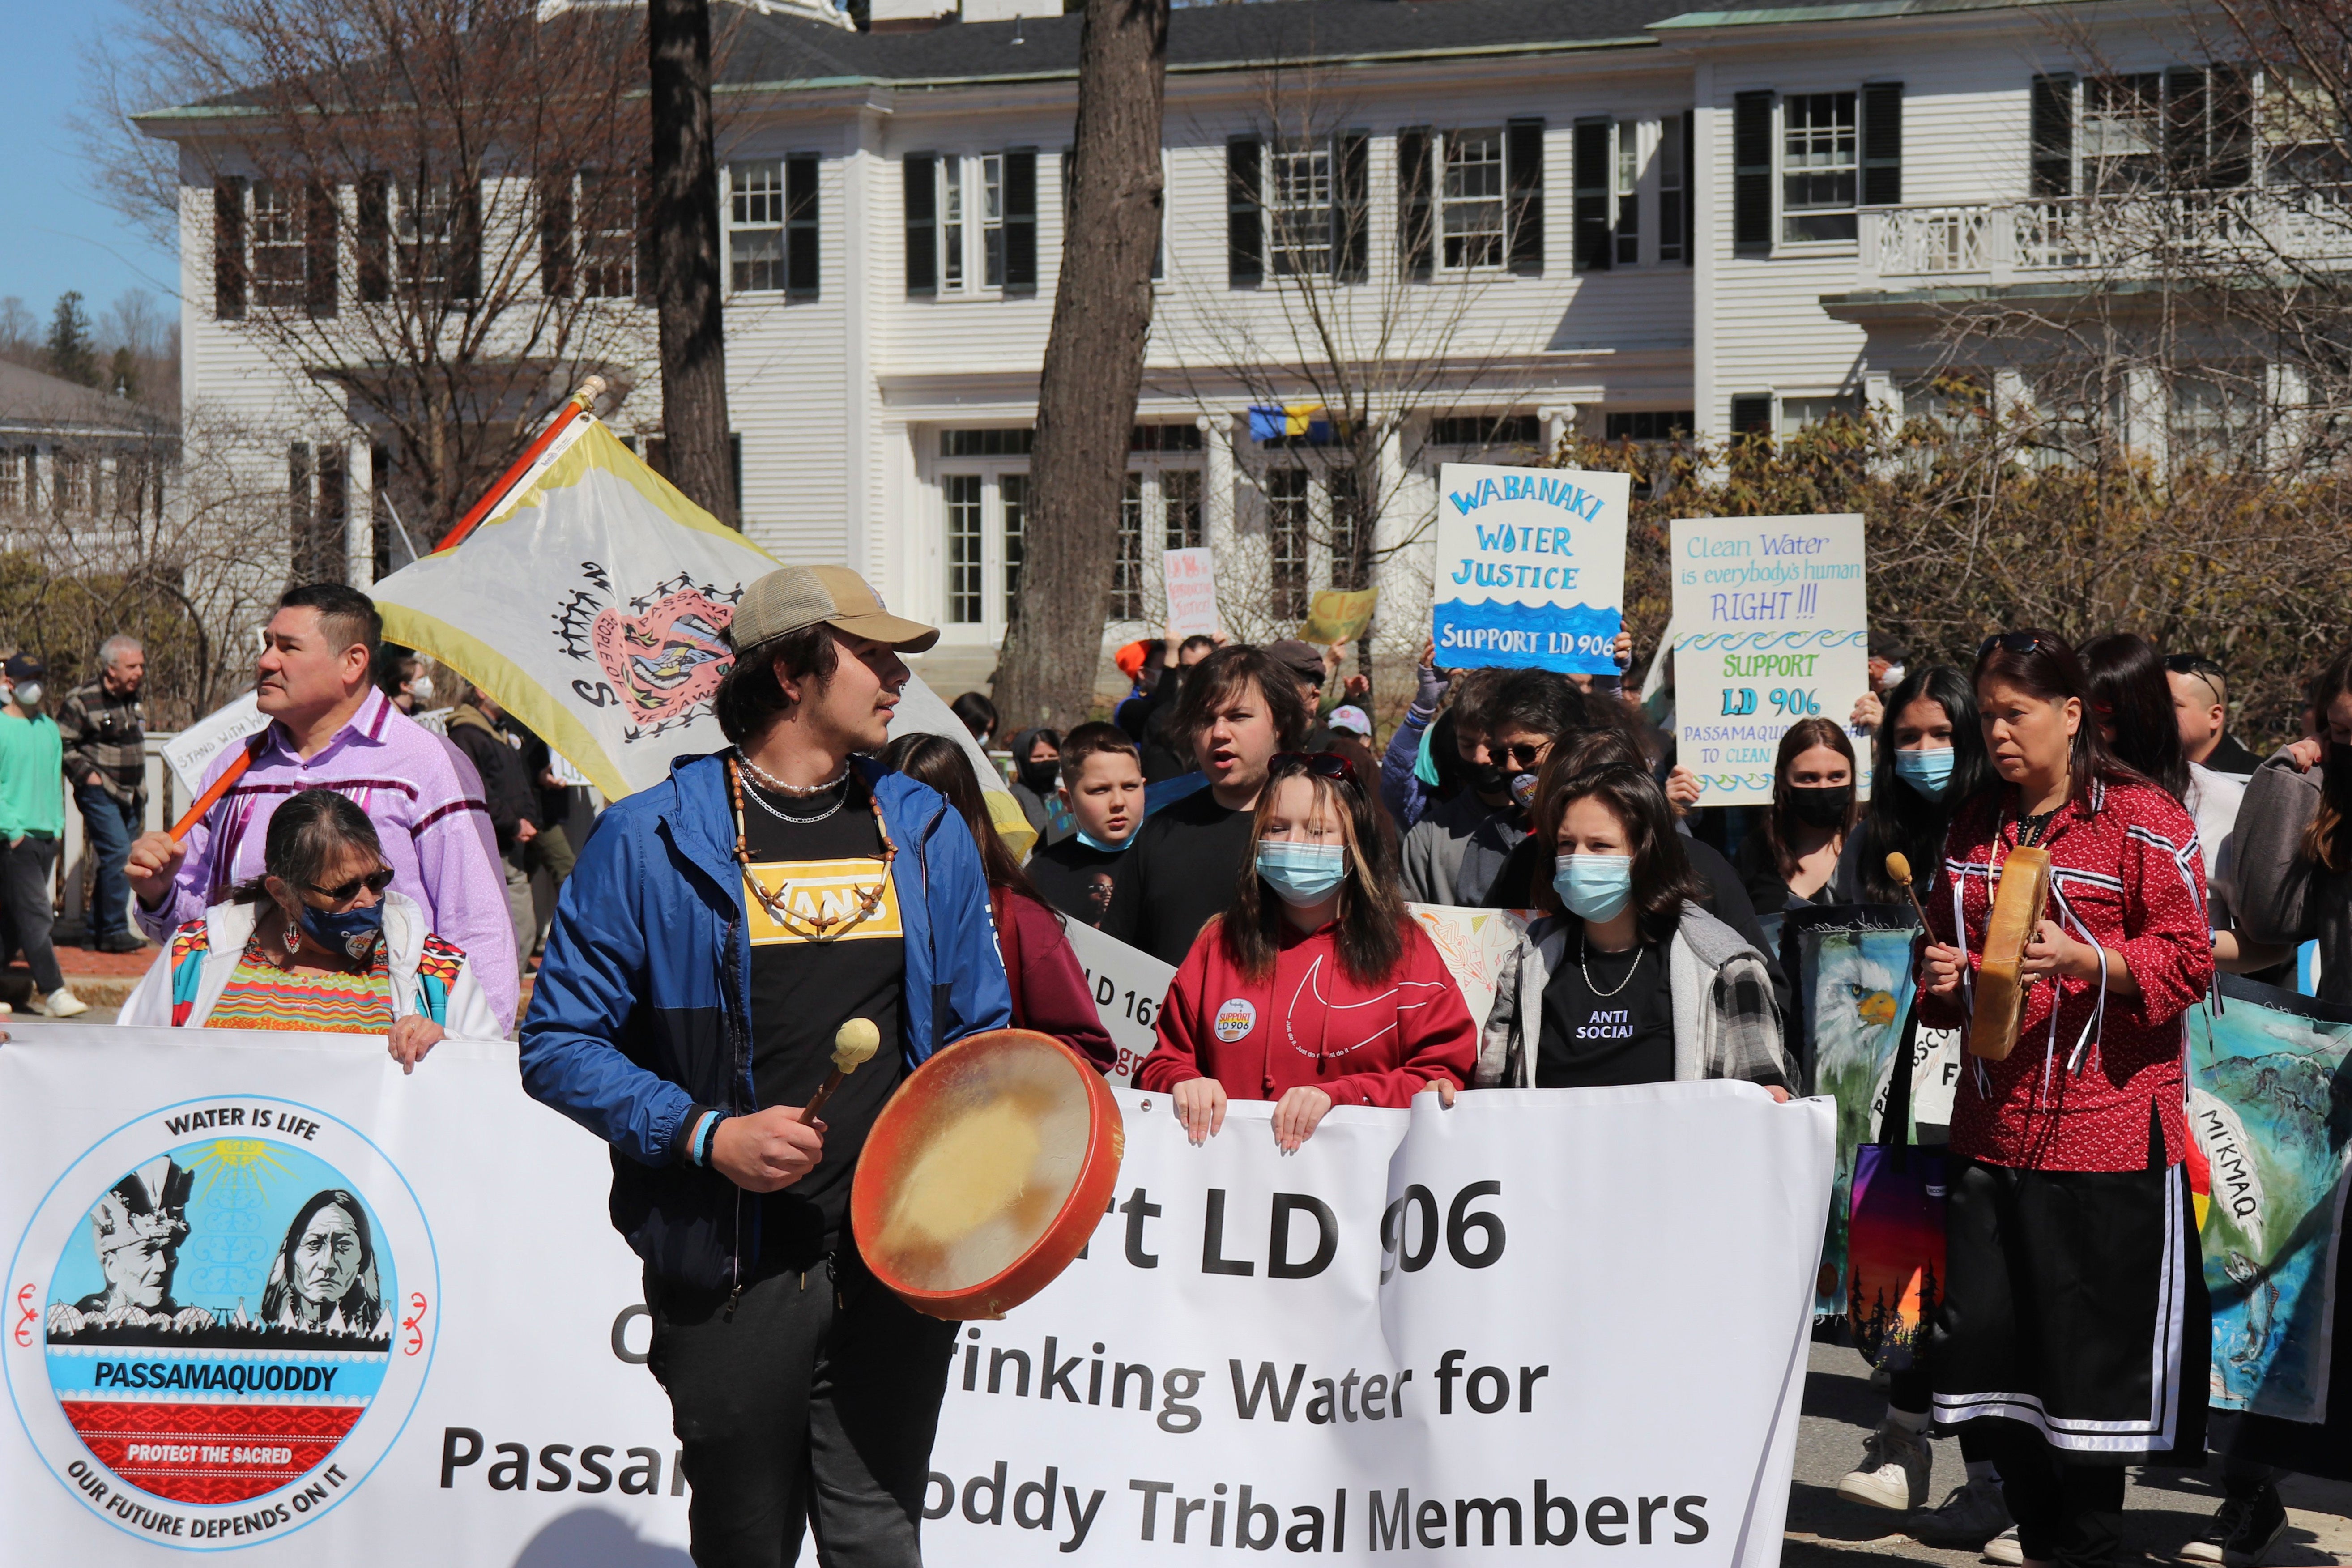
[1530, 567]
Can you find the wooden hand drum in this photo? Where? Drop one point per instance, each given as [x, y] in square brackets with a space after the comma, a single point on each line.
[986, 1174]
[2017, 906]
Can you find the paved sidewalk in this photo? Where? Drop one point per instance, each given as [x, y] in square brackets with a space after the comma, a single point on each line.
[2165, 1509]
[101, 979]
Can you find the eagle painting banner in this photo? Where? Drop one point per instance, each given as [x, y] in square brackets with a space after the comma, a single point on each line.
[594, 604]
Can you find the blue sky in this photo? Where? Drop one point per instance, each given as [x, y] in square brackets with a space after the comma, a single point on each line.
[55, 234]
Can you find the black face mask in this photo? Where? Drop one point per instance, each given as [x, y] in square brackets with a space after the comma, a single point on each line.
[1821, 805]
[1485, 778]
[1042, 776]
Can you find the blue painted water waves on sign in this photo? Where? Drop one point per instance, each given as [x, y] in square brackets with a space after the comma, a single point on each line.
[1575, 640]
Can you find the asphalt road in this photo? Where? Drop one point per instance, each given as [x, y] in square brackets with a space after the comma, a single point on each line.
[2163, 1512]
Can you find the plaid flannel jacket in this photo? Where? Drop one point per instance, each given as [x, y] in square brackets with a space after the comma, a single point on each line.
[105, 732]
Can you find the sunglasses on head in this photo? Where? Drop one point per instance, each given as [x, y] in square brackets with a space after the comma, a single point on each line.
[1322, 764]
[374, 882]
[2195, 664]
[2010, 642]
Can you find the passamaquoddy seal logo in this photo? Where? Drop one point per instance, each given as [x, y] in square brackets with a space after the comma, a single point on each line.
[222, 1317]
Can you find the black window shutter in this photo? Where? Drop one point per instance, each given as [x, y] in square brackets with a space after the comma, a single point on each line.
[1245, 215]
[1751, 414]
[2053, 136]
[1882, 143]
[2184, 125]
[1021, 220]
[1523, 155]
[922, 180]
[1751, 171]
[1592, 190]
[1416, 241]
[466, 244]
[319, 240]
[555, 232]
[2233, 126]
[1350, 216]
[801, 232]
[229, 247]
[1690, 184]
[373, 240]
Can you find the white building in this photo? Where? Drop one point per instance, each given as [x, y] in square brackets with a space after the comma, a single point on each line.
[1619, 216]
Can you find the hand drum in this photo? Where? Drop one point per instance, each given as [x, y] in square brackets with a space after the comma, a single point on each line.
[986, 1174]
[2017, 906]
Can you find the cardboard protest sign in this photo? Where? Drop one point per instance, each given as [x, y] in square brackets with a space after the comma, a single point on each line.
[1530, 567]
[1771, 624]
[190, 752]
[1338, 614]
[1191, 579]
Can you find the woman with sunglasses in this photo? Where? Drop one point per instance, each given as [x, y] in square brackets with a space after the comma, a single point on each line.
[2073, 1323]
[1314, 988]
[1625, 979]
[318, 941]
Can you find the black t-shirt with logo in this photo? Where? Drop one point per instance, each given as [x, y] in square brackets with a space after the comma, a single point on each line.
[1618, 1028]
[823, 962]
[1077, 878]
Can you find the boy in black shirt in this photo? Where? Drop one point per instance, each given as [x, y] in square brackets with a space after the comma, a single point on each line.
[1102, 784]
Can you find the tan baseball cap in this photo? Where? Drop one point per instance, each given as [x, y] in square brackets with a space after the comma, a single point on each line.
[798, 597]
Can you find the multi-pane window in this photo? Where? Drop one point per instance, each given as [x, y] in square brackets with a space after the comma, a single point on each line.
[1180, 499]
[1351, 538]
[71, 487]
[1287, 533]
[950, 223]
[755, 226]
[1648, 425]
[608, 234]
[279, 245]
[997, 441]
[1012, 494]
[966, 536]
[1797, 413]
[1300, 188]
[1821, 166]
[1126, 565]
[15, 478]
[423, 222]
[992, 220]
[2214, 415]
[2122, 130]
[1628, 193]
[1486, 430]
[1471, 196]
[1671, 239]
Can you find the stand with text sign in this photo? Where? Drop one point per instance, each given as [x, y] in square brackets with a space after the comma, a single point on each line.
[1530, 568]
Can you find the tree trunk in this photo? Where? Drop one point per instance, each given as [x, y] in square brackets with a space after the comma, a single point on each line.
[1094, 366]
[683, 212]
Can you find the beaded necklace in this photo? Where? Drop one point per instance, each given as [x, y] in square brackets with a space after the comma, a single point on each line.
[818, 928]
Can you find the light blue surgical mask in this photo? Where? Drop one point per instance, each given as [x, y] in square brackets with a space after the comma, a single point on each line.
[1091, 842]
[1302, 874]
[1929, 772]
[1593, 887]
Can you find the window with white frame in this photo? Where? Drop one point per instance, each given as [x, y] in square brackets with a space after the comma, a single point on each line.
[755, 226]
[951, 224]
[1180, 500]
[1471, 200]
[991, 219]
[1673, 213]
[608, 234]
[424, 230]
[1797, 413]
[1013, 495]
[1821, 166]
[1299, 188]
[972, 253]
[1127, 596]
[1288, 536]
[983, 484]
[2123, 132]
[966, 547]
[1628, 193]
[279, 243]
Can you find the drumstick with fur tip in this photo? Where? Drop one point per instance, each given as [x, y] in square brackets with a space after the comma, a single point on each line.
[854, 1044]
[1898, 866]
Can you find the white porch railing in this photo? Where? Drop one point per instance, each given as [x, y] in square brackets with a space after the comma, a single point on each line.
[2002, 242]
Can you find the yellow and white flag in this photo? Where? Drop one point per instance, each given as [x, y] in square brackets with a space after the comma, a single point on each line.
[593, 604]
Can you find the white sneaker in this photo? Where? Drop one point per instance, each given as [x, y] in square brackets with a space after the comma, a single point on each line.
[1894, 1470]
[2006, 1549]
[61, 1004]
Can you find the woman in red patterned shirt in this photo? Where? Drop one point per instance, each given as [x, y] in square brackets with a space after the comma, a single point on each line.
[2073, 1319]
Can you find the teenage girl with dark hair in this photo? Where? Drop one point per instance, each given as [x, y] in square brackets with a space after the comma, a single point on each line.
[1626, 980]
[2073, 1322]
[1049, 987]
[1314, 988]
[1930, 756]
[1791, 862]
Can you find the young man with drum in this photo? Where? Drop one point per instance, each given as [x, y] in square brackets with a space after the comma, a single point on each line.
[718, 931]
[2074, 1325]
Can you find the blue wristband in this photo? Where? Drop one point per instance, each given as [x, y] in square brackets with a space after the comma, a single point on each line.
[703, 1135]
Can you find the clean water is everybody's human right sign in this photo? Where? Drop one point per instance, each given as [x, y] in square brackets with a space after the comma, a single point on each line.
[1530, 567]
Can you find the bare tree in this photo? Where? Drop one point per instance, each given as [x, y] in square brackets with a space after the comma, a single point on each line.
[427, 211]
[1094, 363]
[684, 214]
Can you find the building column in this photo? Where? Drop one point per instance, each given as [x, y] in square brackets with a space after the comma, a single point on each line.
[359, 514]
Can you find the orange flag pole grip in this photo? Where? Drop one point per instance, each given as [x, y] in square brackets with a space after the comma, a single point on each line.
[211, 797]
[581, 402]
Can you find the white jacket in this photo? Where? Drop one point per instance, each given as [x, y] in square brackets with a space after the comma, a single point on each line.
[464, 1012]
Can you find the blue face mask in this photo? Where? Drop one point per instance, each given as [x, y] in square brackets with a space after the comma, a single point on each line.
[1302, 874]
[1929, 773]
[1593, 887]
[1091, 842]
[353, 933]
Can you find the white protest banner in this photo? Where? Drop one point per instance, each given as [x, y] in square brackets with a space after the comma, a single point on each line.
[1191, 579]
[1771, 621]
[1427, 1327]
[1530, 567]
[191, 750]
[1129, 985]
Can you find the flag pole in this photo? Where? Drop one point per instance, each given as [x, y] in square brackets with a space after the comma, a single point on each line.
[581, 402]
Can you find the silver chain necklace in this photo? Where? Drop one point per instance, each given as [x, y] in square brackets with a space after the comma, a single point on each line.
[1584, 949]
[771, 782]
[788, 819]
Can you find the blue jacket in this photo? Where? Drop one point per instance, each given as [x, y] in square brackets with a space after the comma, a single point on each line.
[642, 1011]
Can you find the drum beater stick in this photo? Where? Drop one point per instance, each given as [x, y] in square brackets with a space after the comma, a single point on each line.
[854, 1044]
